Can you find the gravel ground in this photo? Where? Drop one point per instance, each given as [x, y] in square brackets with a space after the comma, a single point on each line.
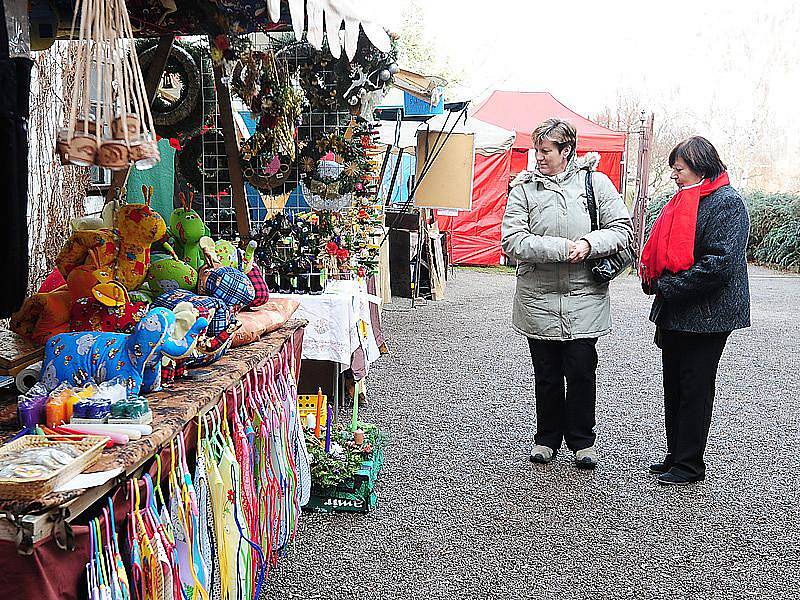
[464, 514]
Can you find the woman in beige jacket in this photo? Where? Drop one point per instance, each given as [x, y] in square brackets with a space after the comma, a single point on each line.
[558, 305]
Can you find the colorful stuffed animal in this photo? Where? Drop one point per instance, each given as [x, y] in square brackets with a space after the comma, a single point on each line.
[186, 228]
[139, 227]
[185, 318]
[229, 290]
[76, 358]
[228, 255]
[125, 250]
[170, 274]
[46, 314]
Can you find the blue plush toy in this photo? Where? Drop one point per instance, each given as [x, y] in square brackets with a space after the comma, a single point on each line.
[79, 357]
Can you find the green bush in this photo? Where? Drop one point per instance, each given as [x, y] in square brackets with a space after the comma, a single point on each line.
[774, 227]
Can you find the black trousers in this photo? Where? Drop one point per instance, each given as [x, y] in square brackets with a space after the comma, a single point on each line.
[690, 362]
[566, 386]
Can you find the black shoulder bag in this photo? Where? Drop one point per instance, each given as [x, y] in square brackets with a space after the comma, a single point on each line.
[605, 269]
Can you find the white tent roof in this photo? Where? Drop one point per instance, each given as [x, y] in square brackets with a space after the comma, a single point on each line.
[489, 139]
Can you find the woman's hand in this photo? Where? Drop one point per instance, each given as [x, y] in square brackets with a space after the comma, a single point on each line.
[578, 251]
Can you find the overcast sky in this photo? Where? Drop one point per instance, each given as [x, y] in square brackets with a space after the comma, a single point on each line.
[585, 52]
[720, 64]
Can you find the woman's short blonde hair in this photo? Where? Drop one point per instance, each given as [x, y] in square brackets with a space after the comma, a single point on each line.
[561, 133]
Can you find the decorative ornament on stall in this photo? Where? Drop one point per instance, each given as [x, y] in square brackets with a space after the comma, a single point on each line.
[338, 168]
[342, 84]
[110, 123]
[276, 101]
[186, 98]
[227, 48]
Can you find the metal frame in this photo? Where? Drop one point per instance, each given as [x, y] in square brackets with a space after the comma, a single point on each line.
[642, 182]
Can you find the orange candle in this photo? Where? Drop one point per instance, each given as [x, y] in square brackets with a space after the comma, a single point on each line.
[319, 413]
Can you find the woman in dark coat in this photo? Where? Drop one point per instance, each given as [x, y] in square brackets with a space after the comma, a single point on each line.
[696, 265]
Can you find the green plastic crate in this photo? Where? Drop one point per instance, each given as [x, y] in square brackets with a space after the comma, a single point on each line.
[354, 495]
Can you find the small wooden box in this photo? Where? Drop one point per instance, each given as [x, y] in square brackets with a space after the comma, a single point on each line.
[16, 353]
[307, 404]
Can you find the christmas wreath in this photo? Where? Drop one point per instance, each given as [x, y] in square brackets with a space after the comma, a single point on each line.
[336, 84]
[336, 168]
[203, 158]
[276, 102]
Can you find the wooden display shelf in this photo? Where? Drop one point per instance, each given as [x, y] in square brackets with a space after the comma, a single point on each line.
[173, 410]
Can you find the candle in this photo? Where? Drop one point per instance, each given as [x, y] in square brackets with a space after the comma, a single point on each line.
[354, 425]
[318, 422]
[358, 437]
[311, 421]
[328, 432]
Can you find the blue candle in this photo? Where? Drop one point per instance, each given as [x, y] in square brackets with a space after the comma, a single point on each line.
[328, 431]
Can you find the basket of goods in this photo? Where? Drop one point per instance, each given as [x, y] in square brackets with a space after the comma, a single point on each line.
[32, 466]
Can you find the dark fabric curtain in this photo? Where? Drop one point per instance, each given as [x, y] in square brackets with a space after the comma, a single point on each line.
[15, 87]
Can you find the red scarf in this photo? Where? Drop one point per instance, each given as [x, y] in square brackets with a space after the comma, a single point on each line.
[670, 246]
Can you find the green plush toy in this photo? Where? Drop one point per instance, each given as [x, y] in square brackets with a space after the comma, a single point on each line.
[227, 253]
[230, 256]
[186, 228]
[143, 294]
[170, 274]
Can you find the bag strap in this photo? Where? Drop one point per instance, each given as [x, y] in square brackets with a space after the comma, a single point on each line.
[590, 201]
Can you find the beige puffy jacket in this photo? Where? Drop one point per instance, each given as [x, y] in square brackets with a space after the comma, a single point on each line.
[556, 300]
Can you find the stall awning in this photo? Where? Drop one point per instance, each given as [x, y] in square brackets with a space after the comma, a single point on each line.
[524, 111]
[489, 139]
[313, 18]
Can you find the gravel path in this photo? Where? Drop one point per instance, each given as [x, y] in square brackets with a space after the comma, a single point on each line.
[464, 514]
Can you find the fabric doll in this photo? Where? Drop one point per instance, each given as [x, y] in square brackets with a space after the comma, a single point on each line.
[125, 251]
[230, 256]
[229, 290]
[170, 274]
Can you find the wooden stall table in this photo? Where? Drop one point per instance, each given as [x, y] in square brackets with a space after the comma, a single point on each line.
[44, 528]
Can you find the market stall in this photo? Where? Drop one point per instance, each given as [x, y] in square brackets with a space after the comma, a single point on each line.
[163, 450]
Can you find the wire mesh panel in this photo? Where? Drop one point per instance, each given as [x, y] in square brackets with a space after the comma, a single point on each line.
[216, 202]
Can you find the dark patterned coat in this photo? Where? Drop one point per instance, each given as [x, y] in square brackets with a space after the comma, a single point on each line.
[713, 295]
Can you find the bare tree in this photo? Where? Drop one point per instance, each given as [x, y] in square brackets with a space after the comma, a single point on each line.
[417, 51]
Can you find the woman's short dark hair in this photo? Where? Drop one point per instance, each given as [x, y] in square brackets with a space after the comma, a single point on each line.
[561, 133]
[700, 156]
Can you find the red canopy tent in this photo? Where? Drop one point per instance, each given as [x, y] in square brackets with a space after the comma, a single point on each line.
[523, 111]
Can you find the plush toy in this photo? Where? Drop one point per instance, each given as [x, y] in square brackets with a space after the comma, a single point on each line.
[185, 318]
[170, 274]
[87, 314]
[231, 286]
[229, 290]
[125, 250]
[76, 358]
[186, 228]
[139, 227]
[228, 255]
[104, 221]
[46, 314]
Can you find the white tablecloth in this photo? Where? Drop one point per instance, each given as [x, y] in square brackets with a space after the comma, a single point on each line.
[339, 322]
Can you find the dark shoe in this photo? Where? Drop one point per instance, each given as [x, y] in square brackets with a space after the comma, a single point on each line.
[659, 468]
[670, 478]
